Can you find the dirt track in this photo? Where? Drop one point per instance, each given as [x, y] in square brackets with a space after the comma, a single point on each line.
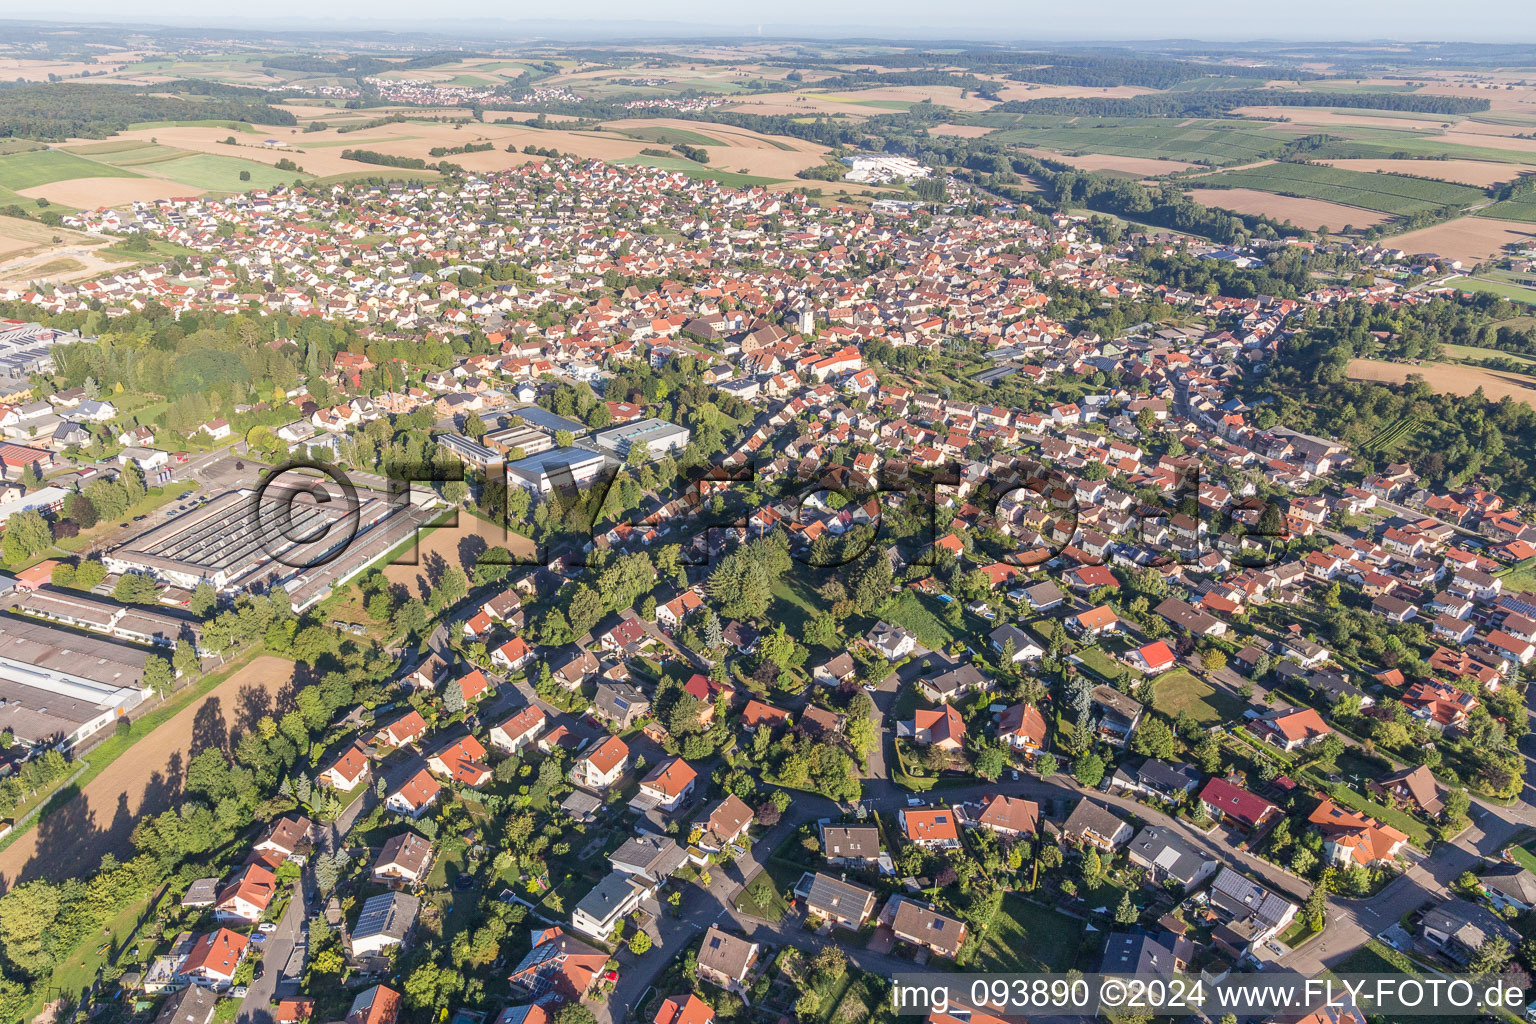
[144, 780]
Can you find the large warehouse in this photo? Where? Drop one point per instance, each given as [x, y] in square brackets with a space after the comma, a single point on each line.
[58, 688]
[283, 537]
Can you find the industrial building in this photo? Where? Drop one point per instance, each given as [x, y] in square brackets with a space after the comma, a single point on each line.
[558, 467]
[27, 348]
[465, 450]
[139, 625]
[659, 437]
[531, 440]
[283, 537]
[58, 687]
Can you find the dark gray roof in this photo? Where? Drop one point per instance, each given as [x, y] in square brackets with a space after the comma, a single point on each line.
[391, 914]
[842, 898]
[1088, 815]
[1171, 855]
[1242, 897]
[1512, 880]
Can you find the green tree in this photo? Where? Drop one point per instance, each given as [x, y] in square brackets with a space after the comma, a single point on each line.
[204, 600]
[158, 674]
[26, 534]
[1088, 770]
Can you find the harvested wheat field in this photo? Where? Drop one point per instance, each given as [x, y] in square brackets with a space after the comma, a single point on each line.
[145, 779]
[90, 193]
[1469, 239]
[1451, 378]
[1424, 124]
[320, 153]
[1140, 166]
[1304, 213]
[1027, 91]
[1467, 172]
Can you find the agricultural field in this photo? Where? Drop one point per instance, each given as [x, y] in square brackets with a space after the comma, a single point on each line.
[20, 171]
[1384, 193]
[1393, 436]
[1208, 141]
[1452, 378]
[1477, 173]
[1523, 209]
[126, 169]
[1469, 239]
[1304, 213]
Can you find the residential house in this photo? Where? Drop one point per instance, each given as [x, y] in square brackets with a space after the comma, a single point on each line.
[213, 959]
[933, 829]
[404, 860]
[609, 902]
[684, 1009]
[385, 922]
[1509, 886]
[1008, 816]
[461, 762]
[1414, 788]
[414, 797]
[517, 732]
[727, 821]
[1116, 716]
[1458, 929]
[1291, 728]
[922, 926]
[1167, 858]
[668, 785]
[376, 1005]
[348, 771]
[940, 727]
[891, 642]
[1351, 838]
[559, 968]
[1096, 825]
[842, 903]
[1023, 728]
[603, 765]
[650, 857]
[247, 895]
[850, 845]
[727, 960]
[1230, 803]
[620, 705]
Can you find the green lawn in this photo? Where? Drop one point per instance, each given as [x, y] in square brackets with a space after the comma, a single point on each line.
[44, 166]
[1102, 665]
[926, 618]
[1524, 857]
[1509, 291]
[1521, 577]
[1180, 690]
[761, 899]
[1028, 938]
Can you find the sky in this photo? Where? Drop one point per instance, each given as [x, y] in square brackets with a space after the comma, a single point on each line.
[1505, 21]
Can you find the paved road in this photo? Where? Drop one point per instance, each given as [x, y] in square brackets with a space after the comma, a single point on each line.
[281, 970]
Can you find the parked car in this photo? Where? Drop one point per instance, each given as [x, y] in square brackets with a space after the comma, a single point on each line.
[267, 926]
